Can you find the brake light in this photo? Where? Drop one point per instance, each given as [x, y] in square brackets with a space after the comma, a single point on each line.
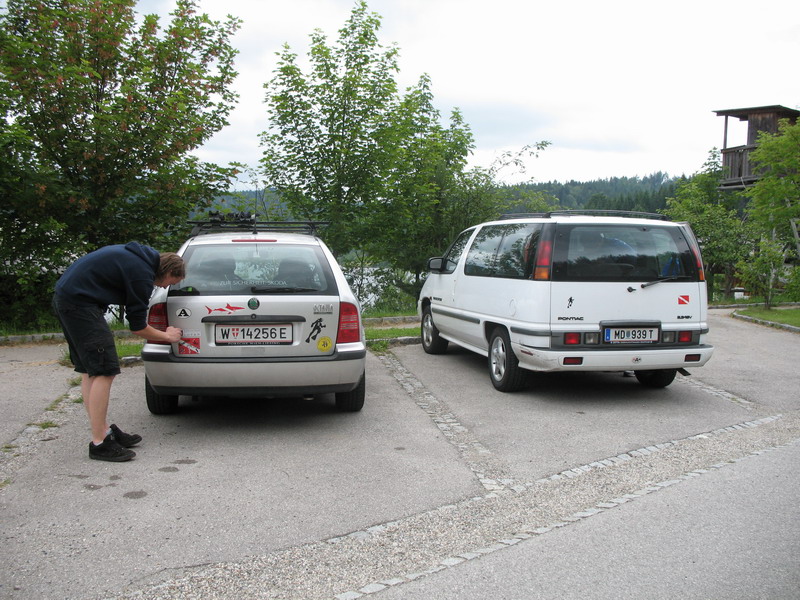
[572, 339]
[544, 254]
[349, 325]
[695, 248]
[684, 337]
[157, 318]
[701, 274]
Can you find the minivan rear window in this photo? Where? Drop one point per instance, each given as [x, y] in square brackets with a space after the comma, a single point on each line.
[624, 252]
[256, 268]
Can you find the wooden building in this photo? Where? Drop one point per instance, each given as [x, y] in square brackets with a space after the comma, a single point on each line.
[738, 173]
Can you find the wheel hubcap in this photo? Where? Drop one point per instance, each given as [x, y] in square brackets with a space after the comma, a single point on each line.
[498, 358]
[427, 330]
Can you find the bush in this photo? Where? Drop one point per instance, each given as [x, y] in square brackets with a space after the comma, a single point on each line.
[27, 309]
[791, 291]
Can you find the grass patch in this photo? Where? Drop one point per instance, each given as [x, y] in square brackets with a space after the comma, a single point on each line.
[377, 333]
[129, 347]
[379, 312]
[9, 447]
[45, 424]
[786, 316]
[4, 483]
[54, 404]
[378, 346]
[125, 347]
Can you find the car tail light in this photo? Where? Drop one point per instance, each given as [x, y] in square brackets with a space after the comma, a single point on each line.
[157, 318]
[572, 339]
[684, 337]
[541, 271]
[701, 274]
[349, 326]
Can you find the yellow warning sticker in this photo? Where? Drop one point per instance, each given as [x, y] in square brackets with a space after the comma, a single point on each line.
[324, 344]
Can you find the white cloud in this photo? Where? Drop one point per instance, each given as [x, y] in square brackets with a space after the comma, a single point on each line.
[621, 87]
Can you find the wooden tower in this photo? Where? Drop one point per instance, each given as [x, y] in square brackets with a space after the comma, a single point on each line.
[738, 174]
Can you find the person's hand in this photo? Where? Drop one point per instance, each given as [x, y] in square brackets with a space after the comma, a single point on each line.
[173, 334]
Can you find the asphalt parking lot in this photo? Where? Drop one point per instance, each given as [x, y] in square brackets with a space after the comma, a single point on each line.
[587, 486]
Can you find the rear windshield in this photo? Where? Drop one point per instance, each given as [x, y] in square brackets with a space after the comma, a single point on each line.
[604, 252]
[255, 268]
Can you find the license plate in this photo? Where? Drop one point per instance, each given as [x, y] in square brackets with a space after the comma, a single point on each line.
[623, 335]
[240, 335]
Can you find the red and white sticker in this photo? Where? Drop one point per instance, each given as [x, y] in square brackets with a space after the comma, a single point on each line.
[189, 346]
[683, 299]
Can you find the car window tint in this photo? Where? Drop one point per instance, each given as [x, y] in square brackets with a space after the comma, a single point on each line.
[454, 252]
[503, 251]
[620, 253]
[516, 251]
[244, 267]
[480, 258]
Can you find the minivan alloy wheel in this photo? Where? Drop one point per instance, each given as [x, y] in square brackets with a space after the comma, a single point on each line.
[498, 358]
[504, 369]
[432, 342]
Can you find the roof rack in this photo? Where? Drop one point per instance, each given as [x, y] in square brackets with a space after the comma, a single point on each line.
[232, 222]
[588, 212]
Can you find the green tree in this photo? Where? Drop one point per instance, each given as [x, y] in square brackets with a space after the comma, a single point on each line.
[724, 234]
[776, 194]
[760, 270]
[33, 246]
[420, 199]
[328, 147]
[346, 147]
[112, 109]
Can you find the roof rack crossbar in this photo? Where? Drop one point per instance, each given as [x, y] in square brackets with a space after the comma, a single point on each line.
[589, 212]
[242, 222]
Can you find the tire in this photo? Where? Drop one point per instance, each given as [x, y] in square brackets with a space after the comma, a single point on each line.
[659, 378]
[159, 404]
[432, 342]
[352, 401]
[504, 369]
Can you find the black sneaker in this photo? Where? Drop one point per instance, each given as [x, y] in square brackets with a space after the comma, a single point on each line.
[126, 440]
[110, 450]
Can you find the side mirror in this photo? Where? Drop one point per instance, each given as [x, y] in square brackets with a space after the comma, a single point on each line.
[435, 264]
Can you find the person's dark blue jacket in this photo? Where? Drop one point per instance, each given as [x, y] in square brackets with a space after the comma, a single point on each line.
[120, 274]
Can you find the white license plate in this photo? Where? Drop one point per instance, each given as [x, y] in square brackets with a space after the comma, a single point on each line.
[239, 335]
[623, 335]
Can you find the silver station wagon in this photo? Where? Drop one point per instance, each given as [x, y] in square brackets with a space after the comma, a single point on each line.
[265, 311]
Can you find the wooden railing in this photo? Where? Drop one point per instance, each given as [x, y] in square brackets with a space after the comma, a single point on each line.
[736, 166]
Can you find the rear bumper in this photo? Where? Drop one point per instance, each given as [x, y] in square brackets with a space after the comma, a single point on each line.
[536, 359]
[195, 376]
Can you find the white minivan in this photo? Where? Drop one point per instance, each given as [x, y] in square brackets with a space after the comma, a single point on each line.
[566, 291]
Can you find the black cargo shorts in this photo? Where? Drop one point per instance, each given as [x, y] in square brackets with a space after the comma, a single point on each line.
[91, 343]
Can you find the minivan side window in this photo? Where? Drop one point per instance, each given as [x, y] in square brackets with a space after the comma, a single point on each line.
[503, 251]
[454, 251]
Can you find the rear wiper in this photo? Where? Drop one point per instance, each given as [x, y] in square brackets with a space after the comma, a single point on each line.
[671, 278]
[279, 289]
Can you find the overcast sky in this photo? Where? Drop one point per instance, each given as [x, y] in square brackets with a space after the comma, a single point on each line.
[619, 88]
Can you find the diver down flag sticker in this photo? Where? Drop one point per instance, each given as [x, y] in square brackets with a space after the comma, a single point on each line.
[189, 346]
[683, 299]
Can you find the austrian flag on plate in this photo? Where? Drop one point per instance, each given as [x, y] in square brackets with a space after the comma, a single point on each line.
[683, 299]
